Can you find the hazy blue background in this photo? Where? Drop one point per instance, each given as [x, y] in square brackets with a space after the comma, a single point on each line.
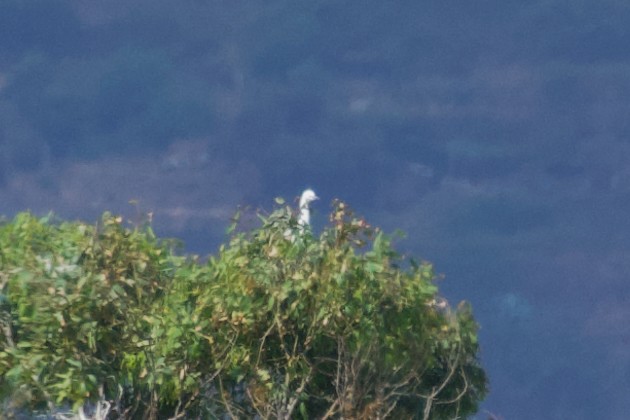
[495, 133]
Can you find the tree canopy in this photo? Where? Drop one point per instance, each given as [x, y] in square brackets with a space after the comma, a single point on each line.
[108, 319]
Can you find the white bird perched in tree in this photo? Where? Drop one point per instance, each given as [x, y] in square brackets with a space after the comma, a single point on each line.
[304, 219]
[308, 196]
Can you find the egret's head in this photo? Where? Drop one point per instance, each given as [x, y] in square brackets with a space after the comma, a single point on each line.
[307, 197]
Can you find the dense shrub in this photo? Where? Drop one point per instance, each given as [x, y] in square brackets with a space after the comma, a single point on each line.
[280, 324]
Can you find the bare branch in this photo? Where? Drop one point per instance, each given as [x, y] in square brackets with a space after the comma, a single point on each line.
[461, 394]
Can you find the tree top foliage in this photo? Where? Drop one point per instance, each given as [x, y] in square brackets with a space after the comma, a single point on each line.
[110, 321]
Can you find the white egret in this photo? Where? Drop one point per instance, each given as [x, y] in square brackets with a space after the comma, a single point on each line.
[304, 219]
[308, 196]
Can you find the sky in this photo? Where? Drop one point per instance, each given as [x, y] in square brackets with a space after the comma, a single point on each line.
[494, 133]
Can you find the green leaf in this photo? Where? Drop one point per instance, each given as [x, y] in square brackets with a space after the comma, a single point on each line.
[263, 374]
[74, 363]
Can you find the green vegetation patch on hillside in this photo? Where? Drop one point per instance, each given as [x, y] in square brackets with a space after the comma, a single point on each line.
[279, 324]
